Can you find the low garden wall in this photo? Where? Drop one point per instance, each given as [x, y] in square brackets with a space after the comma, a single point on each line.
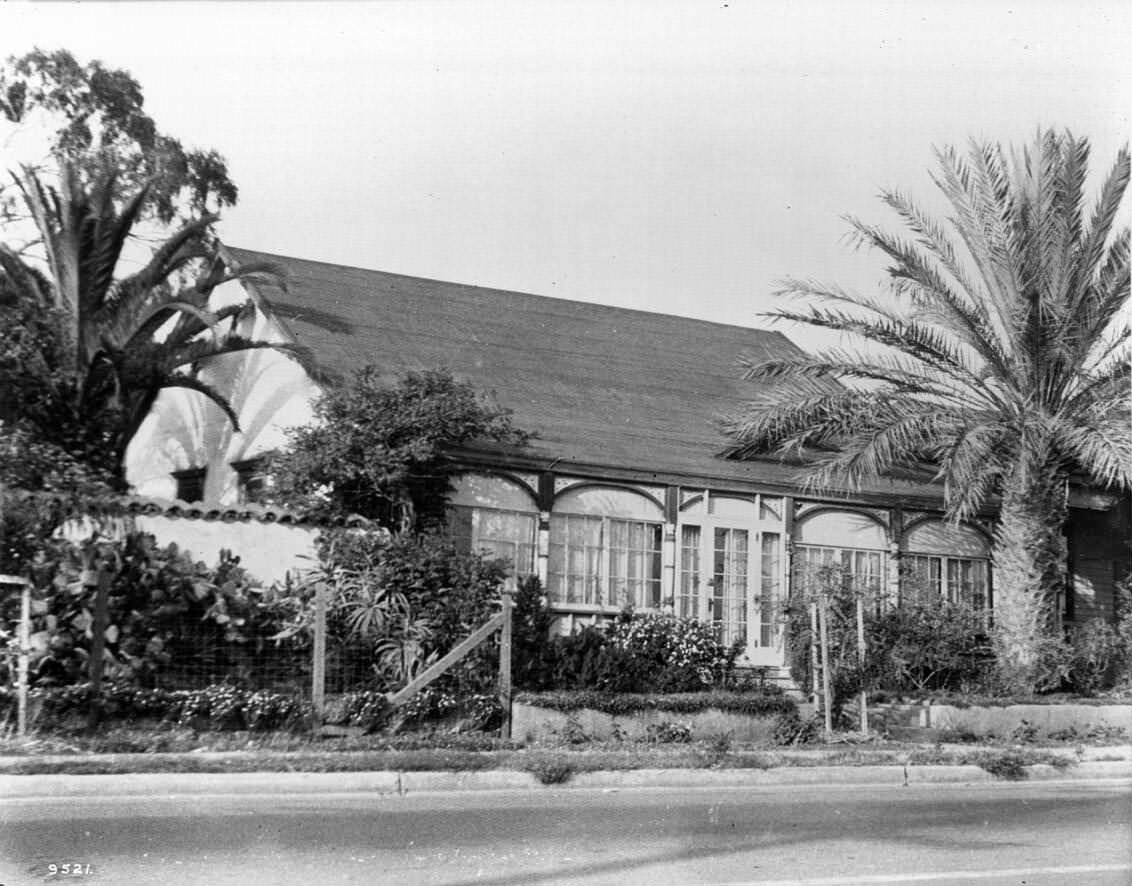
[1044, 720]
[585, 716]
[1056, 720]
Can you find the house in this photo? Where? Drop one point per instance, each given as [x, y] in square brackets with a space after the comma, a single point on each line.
[623, 498]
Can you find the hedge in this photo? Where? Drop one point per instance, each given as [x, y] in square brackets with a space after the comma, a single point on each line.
[755, 704]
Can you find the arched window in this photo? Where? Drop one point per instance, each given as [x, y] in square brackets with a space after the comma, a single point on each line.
[943, 561]
[605, 549]
[850, 542]
[497, 517]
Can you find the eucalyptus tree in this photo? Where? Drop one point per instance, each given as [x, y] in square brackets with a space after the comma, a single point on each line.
[1002, 364]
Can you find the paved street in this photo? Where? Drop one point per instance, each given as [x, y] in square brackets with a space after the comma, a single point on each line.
[1032, 834]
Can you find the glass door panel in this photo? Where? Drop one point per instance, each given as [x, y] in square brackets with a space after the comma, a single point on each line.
[688, 598]
[732, 578]
[730, 589]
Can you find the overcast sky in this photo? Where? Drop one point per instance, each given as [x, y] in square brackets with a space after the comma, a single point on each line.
[669, 156]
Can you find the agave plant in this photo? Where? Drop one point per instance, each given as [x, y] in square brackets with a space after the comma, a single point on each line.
[129, 336]
[1003, 364]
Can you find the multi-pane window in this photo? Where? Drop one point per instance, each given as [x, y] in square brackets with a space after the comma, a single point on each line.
[942, 561]
[190, 483]
[728, 602]
[604, 561]
[510, 535]
[252, 480]
[770, 588]
[688, 593]
[960, 580]
[864, 570]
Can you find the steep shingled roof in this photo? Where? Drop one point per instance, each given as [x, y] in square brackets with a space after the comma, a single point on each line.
[600, 385]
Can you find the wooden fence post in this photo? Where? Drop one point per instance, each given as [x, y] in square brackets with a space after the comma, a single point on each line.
[22, 651]
[318, 653]
[22, 672]
[815, 686]
[505, 665]
[823, 617]
[861, 659]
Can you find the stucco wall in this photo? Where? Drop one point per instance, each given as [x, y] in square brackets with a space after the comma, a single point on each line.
[269, 391]
[268, 551]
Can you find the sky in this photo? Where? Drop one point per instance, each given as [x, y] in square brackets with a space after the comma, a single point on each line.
[679, 157]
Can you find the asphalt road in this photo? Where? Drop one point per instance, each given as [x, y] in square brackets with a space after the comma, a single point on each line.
[944, 835]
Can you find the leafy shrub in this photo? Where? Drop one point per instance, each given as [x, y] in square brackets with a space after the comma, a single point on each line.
[926, 646]
[923, 645]
[473, 712]
[642, 652]
[550, 771]
[681, 654]
[1008, 765]
[669, 733]
[838, 591]
[1024, 733]
[155, 595]
[1094, 651]
[533, 653]
[791, 729]
[400, 603]
[367, 709]
[217, 707]
[380, 449]
[589, 659]
[1122, 666]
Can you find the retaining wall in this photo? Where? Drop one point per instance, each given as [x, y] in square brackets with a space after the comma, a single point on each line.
[530, 723]
[1046, 719]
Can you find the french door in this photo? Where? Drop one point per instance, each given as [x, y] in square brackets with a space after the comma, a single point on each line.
[731, 577]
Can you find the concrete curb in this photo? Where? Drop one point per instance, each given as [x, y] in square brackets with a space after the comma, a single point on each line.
[173, 785]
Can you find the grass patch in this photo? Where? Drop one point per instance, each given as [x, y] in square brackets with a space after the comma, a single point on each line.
[120, 750]
[1010, 764]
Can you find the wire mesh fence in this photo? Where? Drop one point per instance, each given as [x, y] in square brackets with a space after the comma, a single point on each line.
[194, 656]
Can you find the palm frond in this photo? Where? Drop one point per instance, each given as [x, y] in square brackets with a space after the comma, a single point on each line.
[268, 272]
[23, 277]
[199, 351]
[936, 300]
[105, 237]
[955, 183]
[192, 383]
[920, 342]
[148, 324]
[897, 438]
[1100, 445]
[973, 466]
[1104, 216]
[183, 246]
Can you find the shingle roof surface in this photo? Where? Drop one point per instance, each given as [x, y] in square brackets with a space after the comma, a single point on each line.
[600, 385]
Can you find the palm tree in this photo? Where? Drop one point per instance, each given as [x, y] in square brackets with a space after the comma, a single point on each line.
[127, 337]
[1003, 363]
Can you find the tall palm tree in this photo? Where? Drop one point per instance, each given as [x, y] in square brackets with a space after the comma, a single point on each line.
[1003, 363]
[131, 336]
